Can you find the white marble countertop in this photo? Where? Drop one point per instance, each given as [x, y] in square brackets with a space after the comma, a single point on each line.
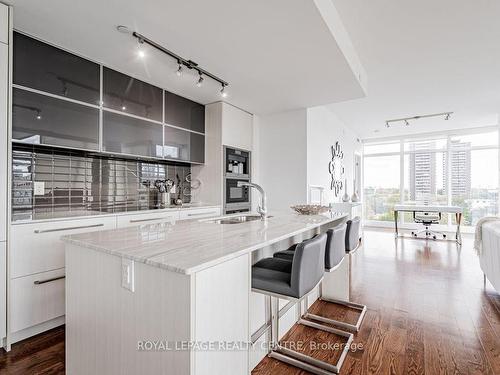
[193, 245]
[85, 214]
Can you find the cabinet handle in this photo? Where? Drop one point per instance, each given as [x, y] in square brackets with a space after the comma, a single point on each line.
[201, 213]
[68, 228]
[154, 218]
[38, 282]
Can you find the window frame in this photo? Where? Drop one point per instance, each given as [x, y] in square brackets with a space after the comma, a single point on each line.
[448, 135]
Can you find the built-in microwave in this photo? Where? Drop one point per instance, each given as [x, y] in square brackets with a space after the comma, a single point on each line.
[235, 194]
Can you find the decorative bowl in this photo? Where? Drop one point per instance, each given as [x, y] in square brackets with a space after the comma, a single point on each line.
[309, 209]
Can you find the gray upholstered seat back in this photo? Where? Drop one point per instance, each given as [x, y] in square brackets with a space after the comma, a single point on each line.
[335, 246]
[308, 265]
[352, 236]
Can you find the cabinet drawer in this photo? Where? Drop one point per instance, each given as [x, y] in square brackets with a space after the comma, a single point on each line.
[36, 299]
[149, 218]
[38, 247]
[199, 213]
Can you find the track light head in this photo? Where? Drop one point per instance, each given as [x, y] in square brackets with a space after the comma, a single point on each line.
[387, 124]
[223, 91]
[407, 123]
[200, 81]
[140, 48]
[179, 69]
[447, 117]
[38, 115]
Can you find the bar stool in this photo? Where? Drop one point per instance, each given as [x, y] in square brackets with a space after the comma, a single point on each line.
[334, 257]
[352, 234]
[293, 281]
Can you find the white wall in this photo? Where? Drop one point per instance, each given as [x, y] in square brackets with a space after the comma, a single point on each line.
[294, 150]
[283, 157]
[324, 128]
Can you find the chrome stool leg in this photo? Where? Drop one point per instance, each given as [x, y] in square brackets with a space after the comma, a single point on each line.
[357, 306]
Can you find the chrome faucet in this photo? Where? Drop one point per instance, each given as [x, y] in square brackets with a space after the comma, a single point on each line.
[262, 209]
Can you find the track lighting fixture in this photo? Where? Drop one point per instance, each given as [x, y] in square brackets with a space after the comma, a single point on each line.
[223, 91]
[200, 81]
[406, 120]
[181, 62]
[38, 115]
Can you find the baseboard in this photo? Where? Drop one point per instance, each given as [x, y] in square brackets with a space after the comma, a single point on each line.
[14, 337]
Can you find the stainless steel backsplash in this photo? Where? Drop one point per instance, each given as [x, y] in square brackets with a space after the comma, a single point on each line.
[76, 182]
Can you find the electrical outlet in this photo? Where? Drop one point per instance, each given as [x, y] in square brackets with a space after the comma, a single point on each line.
[39, 188]
[128, 274]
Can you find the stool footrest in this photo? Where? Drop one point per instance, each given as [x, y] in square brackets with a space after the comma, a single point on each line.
[348, 326]
[309, 363]
[299, 364]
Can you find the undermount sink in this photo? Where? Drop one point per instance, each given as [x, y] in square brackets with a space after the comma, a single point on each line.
[235, 219]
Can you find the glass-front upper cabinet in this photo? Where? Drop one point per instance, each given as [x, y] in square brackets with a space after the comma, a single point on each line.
[43, 67]
[184, 113]
[41, 119]
[183, 145]
[127, 94]
[128, 135]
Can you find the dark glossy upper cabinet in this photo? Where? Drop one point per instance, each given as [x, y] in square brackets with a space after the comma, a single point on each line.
[41, 119]
[183, 145]
[184, 113]
[126, 94]
[40, 66]
[131, 136]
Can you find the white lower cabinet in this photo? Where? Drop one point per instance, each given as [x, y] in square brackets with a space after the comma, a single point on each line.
[199, 213]
[3, 291]
[37, 261]
[37, 247]
[146, 218]
[36, 299]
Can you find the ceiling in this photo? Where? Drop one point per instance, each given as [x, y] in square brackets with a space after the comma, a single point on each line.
[423, 57]
[277, 55]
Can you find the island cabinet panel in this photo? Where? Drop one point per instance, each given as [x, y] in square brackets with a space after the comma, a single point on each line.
[110, 330]
[222, 316]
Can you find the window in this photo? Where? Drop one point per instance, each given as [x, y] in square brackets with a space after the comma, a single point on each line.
[454, 169]
[381, 190]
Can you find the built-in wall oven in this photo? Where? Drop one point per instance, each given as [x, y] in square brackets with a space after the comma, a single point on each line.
[237, 168]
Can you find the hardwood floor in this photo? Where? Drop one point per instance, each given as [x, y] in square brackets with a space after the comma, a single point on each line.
[42, 354]
[428, 313]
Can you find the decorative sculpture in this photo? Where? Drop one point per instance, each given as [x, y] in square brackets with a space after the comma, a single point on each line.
[336, 168]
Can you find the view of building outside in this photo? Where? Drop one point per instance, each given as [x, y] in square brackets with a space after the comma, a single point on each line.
[470, 180]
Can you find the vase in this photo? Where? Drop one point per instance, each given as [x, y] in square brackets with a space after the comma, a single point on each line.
[354, 197]
[345, 197]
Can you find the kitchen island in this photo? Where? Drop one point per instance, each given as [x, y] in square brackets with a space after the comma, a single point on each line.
[172, 297]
